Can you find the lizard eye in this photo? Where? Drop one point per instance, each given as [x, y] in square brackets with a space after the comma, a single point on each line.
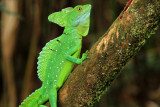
[79, 8]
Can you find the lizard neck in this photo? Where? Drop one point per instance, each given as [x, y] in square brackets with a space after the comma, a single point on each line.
[72, 31]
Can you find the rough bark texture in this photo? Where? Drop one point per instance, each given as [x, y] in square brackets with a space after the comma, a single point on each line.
[86, 84]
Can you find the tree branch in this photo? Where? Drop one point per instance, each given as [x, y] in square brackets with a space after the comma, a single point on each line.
[138, 21]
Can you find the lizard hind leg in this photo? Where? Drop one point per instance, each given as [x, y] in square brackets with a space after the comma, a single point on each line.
[53, 97]
[36, 99]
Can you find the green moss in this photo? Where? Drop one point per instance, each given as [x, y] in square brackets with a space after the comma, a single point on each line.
[144, 22]
[144, 28]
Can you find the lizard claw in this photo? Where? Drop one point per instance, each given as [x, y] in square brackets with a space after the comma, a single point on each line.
[84, 56]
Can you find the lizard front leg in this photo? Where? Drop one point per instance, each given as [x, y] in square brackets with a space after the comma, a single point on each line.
[73, 53]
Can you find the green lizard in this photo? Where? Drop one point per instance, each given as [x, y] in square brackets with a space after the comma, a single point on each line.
[57, 58]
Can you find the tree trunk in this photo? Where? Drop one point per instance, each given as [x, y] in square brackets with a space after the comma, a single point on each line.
[10, 24]
[85, 85]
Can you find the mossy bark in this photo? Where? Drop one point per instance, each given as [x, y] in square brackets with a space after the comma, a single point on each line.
[85, 85]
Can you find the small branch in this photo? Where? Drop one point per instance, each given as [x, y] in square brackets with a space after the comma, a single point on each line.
[85, 85]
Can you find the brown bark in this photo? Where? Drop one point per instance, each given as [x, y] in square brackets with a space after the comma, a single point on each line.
[85, 85]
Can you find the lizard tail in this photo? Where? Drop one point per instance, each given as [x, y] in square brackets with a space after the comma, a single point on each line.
[34, 100]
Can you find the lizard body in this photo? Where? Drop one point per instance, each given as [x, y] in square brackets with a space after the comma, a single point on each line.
[57, 58]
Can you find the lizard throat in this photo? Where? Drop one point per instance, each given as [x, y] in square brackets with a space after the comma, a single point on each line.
[72, 31]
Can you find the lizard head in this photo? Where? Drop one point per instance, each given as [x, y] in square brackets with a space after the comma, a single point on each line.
[77, 18]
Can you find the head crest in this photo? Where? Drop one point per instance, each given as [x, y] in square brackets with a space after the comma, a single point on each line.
[60, 17]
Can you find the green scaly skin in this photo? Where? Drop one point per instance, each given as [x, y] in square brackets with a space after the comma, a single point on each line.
[57, 58]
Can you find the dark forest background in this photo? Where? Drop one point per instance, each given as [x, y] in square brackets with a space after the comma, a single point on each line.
[25, 29]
